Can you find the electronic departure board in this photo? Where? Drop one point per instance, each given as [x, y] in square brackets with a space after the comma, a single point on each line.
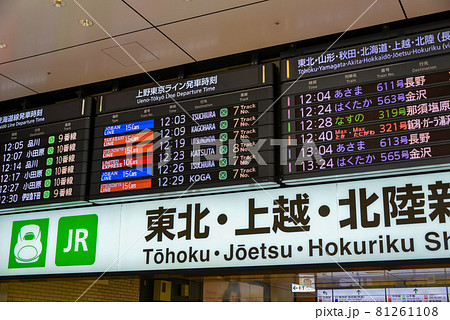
[390, 117]
[44, 156]
[211, 132]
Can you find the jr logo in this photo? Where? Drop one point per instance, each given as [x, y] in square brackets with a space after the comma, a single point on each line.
[80, 239]
[77, 240]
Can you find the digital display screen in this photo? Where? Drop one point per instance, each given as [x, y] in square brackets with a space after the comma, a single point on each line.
[424, 45]
[214, 141]
[394, 116]
[44, 164]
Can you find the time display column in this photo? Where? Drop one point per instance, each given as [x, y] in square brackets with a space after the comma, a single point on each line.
[11, 174]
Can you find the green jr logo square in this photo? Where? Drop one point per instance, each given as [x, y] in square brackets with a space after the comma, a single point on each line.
[77, 241]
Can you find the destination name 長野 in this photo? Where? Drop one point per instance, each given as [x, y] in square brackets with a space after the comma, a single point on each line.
[289, 228]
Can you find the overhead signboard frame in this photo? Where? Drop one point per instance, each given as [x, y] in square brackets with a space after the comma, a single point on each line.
[384, 111]
[382, 221]
[206, 134]
[45, 156]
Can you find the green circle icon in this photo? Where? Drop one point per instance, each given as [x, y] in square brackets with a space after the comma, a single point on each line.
[223, 112]
[223, 162]
[223, 149]
[223, 136]
[222, 175]
[223, 124]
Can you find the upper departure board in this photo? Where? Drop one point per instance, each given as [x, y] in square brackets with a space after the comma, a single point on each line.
[161, 142]
[44, 156]
[367, 55]
[388, 118]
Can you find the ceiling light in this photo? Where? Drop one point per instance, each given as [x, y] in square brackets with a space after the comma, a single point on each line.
[58, 3]
[85, 22]
[3, 45]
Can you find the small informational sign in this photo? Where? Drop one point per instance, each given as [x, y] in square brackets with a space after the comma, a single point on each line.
[324, 295]
[359, 295]
[420, 294]
[305, 284]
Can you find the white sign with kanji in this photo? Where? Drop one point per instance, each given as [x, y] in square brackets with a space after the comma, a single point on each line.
[380, 220]
[392, 219]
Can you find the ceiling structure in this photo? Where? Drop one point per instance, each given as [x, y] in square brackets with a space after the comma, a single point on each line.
[48, 49]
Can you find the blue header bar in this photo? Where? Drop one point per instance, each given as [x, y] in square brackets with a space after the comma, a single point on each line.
[125, 174]
[129, 127]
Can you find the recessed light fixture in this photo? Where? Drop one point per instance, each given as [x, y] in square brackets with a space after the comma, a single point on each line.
[58, 3]
[85, 22]
[3, 45]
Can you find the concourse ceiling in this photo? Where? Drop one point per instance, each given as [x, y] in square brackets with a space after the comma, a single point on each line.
[48, 49]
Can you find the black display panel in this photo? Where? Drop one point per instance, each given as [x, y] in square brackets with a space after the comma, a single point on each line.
[219, 141]
[44, 156]
[182, 89]
[387, 119]
[422, 45]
